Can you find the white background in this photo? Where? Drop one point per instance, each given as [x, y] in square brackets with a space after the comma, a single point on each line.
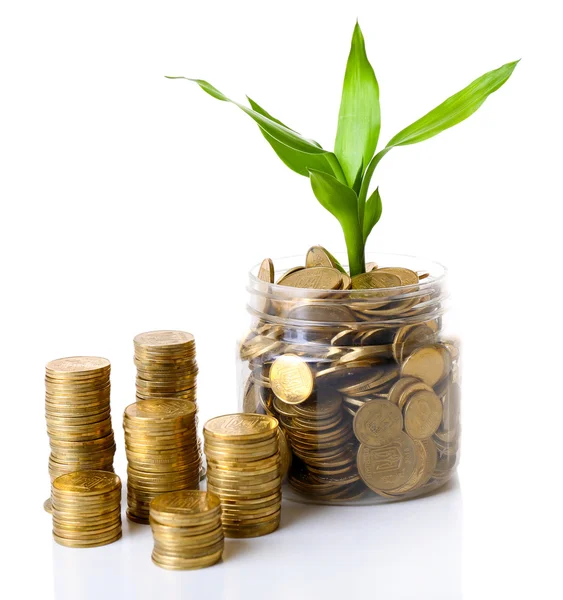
[131, 202]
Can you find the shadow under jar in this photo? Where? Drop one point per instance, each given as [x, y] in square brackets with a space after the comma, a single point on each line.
[365, 383]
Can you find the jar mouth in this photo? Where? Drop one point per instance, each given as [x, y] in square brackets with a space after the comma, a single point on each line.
[437, 273]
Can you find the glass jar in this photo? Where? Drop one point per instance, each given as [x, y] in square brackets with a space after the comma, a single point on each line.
[365, 383]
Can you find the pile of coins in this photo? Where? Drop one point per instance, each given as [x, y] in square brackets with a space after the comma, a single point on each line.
[187, 530]
[77, 409]
[244, 470]
[162, 451]
[360, 376]
[86, 509]
[166, 365]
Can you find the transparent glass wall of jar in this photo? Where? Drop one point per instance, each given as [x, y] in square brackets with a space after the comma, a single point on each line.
[365, 383]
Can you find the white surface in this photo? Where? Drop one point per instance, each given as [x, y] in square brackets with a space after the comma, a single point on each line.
[131, 203]
[319, 552]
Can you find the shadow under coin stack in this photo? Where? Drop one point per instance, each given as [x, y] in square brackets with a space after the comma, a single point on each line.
[244, 470]
[86, 509]
[187, 530]
[77, 409]
[162, 451]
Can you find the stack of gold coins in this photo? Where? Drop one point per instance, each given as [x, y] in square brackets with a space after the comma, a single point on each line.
[244, 469]
[86, 509]
[77, 407]
[187, 530]
[166, 365]
[162, 451]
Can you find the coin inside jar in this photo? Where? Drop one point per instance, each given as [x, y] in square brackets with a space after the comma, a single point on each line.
[291, 379]
[378, 422]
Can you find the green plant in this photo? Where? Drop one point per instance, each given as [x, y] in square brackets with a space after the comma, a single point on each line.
[341, 179]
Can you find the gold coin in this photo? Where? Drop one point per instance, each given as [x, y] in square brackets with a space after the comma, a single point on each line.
[266, 272]
[48, 506]
[87, 483]
[318, 278]
[87, 544]
[257, 346]
[291, 379]
[76, 365]
[179, 563]
[375, 280]
[316, 311]
[423, 415]
[160, 409]
[427, 457]
[289, 272]
[378, 423]
[346, 281]
[241, 426]
[163, 340]
[371, 266]
[317, 256]
[250, 531]
[430, 364]
[387, 467]
[406, 276]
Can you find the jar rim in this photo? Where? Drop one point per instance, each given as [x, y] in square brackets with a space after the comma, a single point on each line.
[433, 279]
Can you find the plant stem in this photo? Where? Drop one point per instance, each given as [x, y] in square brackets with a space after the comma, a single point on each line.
[356, 252]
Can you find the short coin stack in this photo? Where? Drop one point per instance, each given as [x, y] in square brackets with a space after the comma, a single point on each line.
[77, 409]
[162, 451]
[187, 530]
[244, 470]
[86, 509]
[166, 365]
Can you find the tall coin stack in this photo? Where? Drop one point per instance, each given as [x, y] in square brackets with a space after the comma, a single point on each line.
[187, 530]
[166, 365]
[86, 509]
[77, 409]
[244, 470]
[162, 451]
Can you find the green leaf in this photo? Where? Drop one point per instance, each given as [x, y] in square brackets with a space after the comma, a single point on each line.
[455, 109]
[372, 213]
[359, 118]
[451, 112]
[298, 161]
[274, 128]
[358, 180]
[278, 131]
[342, 202]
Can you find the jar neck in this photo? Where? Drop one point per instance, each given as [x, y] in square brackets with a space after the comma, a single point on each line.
[356, 309]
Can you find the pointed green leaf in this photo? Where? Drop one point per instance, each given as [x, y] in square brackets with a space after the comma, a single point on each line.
[358, 180]
[279, 132]
[451, 112]
[359, 117]
[342, 202]
[455, 109]
[298, 161]
[372, 213]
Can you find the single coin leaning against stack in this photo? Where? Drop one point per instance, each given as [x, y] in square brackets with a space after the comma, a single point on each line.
[187, 530]
[86, 509]
[162, 451]
[77, 410]
[244, 470]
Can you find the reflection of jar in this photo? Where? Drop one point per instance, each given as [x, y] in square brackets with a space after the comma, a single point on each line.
[365, 383]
